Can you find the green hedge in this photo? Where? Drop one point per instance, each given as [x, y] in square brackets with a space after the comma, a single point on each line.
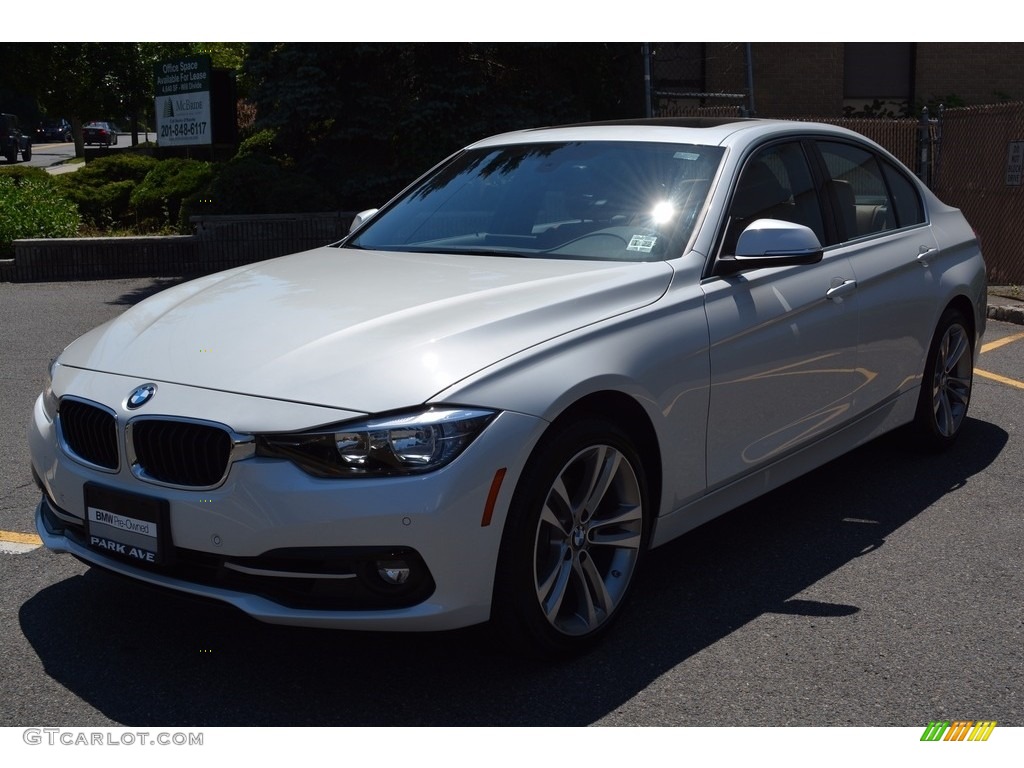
[157, 200]
[127, 192]
[20, 172]
[102, 189]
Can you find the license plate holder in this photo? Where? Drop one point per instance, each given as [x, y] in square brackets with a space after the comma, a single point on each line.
[127, 525]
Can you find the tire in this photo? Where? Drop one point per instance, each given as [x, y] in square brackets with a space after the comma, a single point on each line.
[26, 154]
[12, 156]
[946, 384]
[576, 532]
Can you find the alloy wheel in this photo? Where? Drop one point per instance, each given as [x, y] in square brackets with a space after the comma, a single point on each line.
[588, 540]
[951, 383]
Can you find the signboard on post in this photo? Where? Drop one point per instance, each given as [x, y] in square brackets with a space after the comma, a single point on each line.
[182, 104]
[1015, 163]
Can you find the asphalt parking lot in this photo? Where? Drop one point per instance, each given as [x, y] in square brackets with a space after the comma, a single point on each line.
[881, 590]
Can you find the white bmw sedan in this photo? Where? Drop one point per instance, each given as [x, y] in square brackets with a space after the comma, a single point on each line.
[555, 350]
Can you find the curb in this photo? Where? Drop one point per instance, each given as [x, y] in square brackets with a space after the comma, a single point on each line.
[1008, 314]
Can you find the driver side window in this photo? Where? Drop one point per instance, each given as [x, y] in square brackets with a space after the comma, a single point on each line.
[775, 183]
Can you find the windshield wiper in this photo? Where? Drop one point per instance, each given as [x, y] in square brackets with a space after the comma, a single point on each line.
[481, 252]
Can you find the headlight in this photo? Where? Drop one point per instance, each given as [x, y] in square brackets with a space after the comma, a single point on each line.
[402, 444]
[49, 399]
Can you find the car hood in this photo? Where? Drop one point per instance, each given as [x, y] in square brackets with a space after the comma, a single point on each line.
[360, 330]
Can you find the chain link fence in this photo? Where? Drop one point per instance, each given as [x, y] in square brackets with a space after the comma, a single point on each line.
[980, 173]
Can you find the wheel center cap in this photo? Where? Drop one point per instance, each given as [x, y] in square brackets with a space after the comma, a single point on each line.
[579, 536]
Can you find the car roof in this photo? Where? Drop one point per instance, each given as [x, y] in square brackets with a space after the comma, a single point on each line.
[713, 131]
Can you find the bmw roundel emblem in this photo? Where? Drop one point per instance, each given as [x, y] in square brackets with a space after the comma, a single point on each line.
[140, 396]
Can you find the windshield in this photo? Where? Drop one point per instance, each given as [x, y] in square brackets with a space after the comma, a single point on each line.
[618, 201]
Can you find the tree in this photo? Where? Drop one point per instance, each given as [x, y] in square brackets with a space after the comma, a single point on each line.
[84, 81]
[364, 118]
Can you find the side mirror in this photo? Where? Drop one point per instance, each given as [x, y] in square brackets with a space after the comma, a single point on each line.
[772, 243]
[361, 218]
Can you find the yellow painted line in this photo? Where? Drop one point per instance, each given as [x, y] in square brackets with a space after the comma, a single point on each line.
[20, 538]
[1000, 379]
[1001, 342]
[996, 345]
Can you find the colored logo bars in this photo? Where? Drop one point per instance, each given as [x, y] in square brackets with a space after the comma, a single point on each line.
[958, 730]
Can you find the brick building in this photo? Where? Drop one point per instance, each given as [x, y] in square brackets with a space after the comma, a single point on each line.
[835, 79]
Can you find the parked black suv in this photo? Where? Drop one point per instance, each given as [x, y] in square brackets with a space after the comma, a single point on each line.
[12, 140]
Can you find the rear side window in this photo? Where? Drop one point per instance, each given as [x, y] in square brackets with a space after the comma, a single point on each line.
[858, 190]
[905, 196]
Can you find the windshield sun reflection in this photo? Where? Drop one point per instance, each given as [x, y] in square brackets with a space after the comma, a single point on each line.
[663, 212]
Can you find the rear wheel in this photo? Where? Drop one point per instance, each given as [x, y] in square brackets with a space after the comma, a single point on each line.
[946, 386]
[576, 532]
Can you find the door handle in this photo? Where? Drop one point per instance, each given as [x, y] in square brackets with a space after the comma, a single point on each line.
[839, 289]
[925, 253]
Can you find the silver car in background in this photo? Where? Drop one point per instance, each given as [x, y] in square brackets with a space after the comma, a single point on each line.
[555, 350]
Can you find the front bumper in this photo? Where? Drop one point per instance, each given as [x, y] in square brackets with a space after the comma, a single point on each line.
[288, 548]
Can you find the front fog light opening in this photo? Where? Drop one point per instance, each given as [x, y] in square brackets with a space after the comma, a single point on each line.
[393, 572]
[396, 574]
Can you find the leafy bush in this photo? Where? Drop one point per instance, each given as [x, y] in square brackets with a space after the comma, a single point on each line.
[157, 201]
[102, 189]
[31, 207]
[260, 143]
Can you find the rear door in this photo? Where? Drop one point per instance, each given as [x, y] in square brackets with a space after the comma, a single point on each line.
[892, 251]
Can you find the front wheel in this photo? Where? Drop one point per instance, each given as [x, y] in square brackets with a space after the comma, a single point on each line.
[577, 529]
[26, 154]
[947, 382]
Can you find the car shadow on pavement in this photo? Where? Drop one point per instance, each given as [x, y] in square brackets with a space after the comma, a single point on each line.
[144, 292]
[147, 657]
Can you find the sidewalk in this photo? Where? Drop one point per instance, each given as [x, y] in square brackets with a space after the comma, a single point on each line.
[53, 170]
